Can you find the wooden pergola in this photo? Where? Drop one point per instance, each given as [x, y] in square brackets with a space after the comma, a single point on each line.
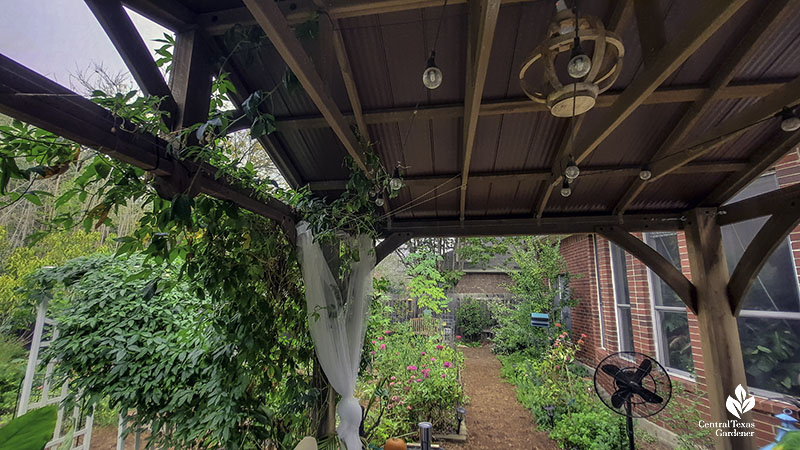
[695, 103]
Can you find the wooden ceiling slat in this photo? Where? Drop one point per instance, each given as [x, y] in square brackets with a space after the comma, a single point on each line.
[769, 18]
[274, 24]
[483, 21]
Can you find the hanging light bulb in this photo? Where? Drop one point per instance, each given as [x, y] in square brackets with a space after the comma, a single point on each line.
[396, 183]
[579, 64]
[790, 121]
[379, 201]
[432, 76]
[645, 174]
[566, 191]
[572, 171]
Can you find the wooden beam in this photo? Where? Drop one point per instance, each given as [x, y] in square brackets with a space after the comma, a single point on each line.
[788, 94]
[769, 237]
[389, 245]
[220, 21]
[32, 98]
[524, 105]
[769, 19]
[765, 157]
[540, 175]
[274, 24]
[705, 22]
[655, 262]
[766, 204]
[191, 79]
[349, 80]
[170, 14]
[134, 52]
[650, 24]
[482, 21]
[719, 330]
[526, 225]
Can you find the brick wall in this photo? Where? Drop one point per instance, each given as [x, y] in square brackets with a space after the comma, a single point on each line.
[593, 285]
[482, 283]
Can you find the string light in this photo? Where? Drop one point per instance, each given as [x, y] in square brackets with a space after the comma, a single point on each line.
[572, 171]
[789, 120]
[566, 191]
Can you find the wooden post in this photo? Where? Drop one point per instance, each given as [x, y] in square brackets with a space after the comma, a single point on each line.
[326, 403]
[191, 79]
[719, 331]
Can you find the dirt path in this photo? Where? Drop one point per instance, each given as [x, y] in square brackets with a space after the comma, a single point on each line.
[495, 419]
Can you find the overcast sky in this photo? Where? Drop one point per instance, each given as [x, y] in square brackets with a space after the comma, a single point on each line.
[61, 37]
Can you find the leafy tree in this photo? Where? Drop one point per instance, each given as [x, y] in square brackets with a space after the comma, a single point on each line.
[12, 369]
[472, 317]
[427, 283]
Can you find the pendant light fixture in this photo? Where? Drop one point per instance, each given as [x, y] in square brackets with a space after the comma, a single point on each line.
[379, 201]
[572, 171]
[645, 174]
[395, 184]
[432, 76]
[566, 191]
[579, 64]
[789, 120]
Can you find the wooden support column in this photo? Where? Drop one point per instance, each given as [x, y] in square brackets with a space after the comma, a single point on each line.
[191, 79]
[719, 331]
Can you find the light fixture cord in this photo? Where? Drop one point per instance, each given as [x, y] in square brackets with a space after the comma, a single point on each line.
[438, 28]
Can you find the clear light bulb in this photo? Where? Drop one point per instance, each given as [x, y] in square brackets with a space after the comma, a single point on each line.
[566, 191]
[572, 171]
[379, 201]
[645, 174]
[579, 66]
[790, 120]
[432, 76]
[395, 184]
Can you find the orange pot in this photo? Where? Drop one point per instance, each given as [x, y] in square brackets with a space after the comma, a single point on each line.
[394, 444]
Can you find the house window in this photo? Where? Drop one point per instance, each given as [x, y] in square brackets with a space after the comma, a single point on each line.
[622, 298]
[769, 324]
[599, 293]
[671, 321]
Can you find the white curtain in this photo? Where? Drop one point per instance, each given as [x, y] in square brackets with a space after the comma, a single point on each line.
[338, 322]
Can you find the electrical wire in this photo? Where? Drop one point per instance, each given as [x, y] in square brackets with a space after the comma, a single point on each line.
[404, 206]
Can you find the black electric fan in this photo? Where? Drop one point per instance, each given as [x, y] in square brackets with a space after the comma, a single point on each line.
[634, 385]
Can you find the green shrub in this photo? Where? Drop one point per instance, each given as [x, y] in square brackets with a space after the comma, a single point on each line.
[590, 427]
[472, 317]
[30, 431]
[12, 370]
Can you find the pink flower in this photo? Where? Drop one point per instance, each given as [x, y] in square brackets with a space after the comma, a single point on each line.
[372, 352]
[393, 378]
[422, 353]
[387, 332]
[395, 398]
[374, 341]
[583, 335]
[439, 347]
[558, 325]
[390, 406]
[391, 383]
[405, 388]
[409, 408]
[411, 368]
[444, 376]
[380, 338]
[557, 367]
[458, 337]
[418, 380]
[383, 346]
[433, 359]
[580, 341]
[447, 364]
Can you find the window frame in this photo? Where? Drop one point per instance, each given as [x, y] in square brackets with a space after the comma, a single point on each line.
[617, 305]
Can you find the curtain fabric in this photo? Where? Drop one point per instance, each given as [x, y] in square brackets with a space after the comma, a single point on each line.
[338, 322]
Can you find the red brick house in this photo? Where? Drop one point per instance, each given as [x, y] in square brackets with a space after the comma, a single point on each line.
[625, 306]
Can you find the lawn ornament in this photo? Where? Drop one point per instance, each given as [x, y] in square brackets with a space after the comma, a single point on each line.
[394, 444]
[634, 385]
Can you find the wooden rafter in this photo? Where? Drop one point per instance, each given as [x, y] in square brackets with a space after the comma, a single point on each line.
[170, 14]
[706, 21]
[655, 262]
[274, 24]
[724, 73]
[524, 105]
[788, 94]
[391, 243]
[482, 23]
[541, 175]
[620, 18]
[134, 52]
[349, 80]
[191, 79]
[517, 226]
[57, 109]
[766, 204]
[769, 237]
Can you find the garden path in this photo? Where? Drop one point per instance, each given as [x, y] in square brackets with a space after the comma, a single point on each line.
[495, 419]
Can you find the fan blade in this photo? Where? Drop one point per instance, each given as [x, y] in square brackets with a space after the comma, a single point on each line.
[642, 371]
[648, 396]
[620, 397]
[611, 369]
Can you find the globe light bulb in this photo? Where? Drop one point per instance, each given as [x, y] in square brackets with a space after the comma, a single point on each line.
[579, 66]
[566, 191]
[790, 120]
[432, 76]
[572, 171]
[645, 174]
[395, 184]
[379, 201]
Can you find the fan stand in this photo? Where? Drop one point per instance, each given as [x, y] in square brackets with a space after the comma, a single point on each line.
[629, 421]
